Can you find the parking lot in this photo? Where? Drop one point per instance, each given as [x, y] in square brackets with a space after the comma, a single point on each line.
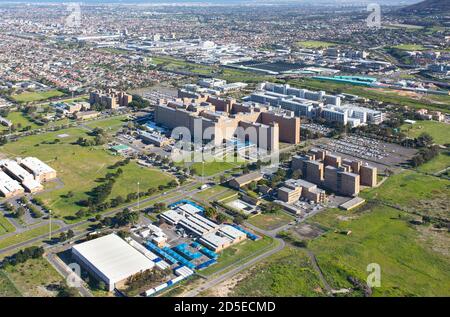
[380, 153]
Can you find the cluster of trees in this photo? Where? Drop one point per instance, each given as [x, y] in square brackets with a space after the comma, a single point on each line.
[23, 255]
[34, 211]
[289, 237]
[100, 194]
[139, 102]
[121, 219]
[425, 155]
[65, 291]
[212, 213]
[142, 279]
[64, 236]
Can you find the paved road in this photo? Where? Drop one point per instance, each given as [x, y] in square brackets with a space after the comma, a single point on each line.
[217, 280]
[78, 224]
[64, 270]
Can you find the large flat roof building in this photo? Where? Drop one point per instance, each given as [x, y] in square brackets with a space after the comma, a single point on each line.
[9, 187]
[41, 171]
[111, 259]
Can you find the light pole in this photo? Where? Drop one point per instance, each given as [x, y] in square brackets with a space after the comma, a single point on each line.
[139, 197]
[50, 225]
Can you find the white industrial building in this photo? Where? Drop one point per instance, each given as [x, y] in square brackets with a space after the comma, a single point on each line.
[111, 260]
[41, 171]
[9, 187]
[214, 236]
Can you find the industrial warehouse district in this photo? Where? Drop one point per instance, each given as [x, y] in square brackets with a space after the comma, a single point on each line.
[215, 149]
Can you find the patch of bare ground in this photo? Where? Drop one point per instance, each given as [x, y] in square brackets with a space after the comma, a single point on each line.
[226, 287]
[437, 239]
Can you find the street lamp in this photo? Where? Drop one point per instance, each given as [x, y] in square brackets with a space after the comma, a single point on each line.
[50, 225]
[139, 197]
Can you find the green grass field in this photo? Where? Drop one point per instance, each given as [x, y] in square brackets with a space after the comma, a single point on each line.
[438, 130]
[133, 173]
[36, 96]
[286, 273]
[414, 192]
[78, 168]
[410, 47]
[229, 74]
[26, 235]
[111, 125]
[408, 265]
[315, 44]
[215, 167]
[32, 277]
[240, 253]
[438, 164]
[7, 288]
[217, 192]
[5, 225]
[19, 119]
[270, 221]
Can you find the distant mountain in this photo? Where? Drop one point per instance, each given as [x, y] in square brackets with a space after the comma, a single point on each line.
[428, 6]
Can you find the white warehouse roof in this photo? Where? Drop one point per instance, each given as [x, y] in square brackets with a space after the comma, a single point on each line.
[113, 257]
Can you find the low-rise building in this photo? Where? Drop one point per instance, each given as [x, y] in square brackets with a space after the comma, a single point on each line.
[41, 171]
[9, 187]
[245, 179]
[110, 259]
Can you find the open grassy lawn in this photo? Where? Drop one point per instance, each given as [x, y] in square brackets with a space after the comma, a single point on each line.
[133, 173]
[7, 288]
[19, 119]
[315, 44]
[36, 96]
[438, 164]
[382, 235]
[79, 168]
[111, 125]
[410, 47]
[438, 130]
[270, 221]
[5, 225]
[26, 235]
[33, 277]
[414, 191]
[286, 273]
[240, 253]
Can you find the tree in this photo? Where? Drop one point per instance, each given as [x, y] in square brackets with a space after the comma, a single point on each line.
[66, 291]
[424, 139]
[80, 213]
